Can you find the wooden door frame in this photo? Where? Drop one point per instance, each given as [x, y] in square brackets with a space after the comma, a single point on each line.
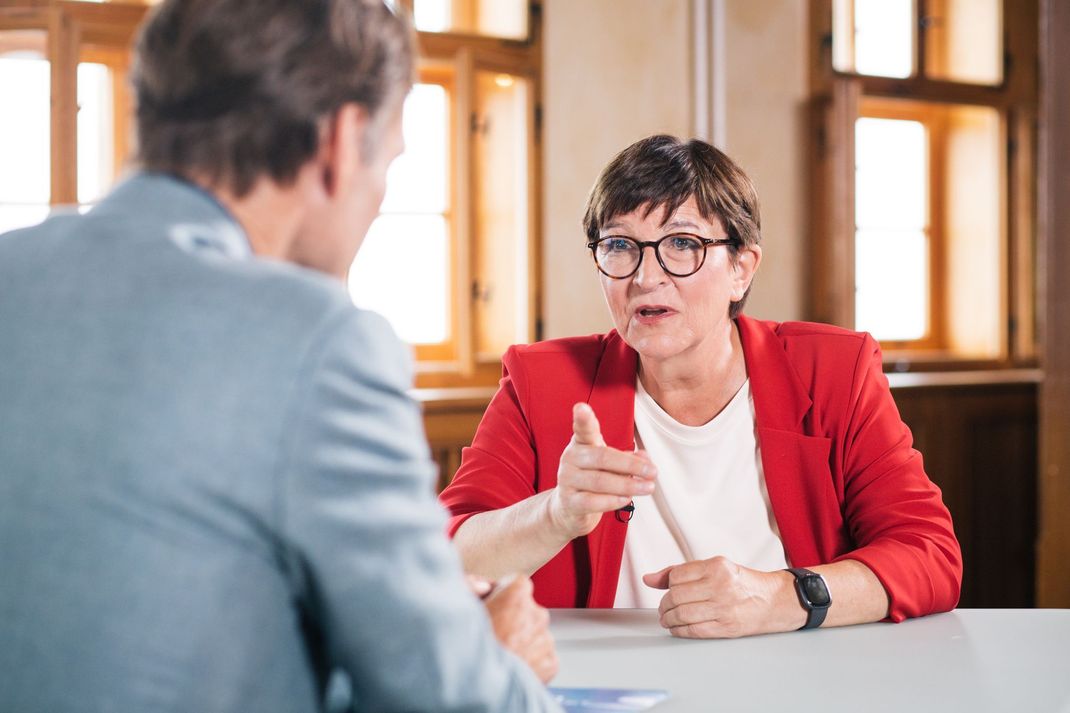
[1053, 210]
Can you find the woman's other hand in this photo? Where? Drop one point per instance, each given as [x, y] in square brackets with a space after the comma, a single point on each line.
[593, 478]
[522, 626]
[717, 598]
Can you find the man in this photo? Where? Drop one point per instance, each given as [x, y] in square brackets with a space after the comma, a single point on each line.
[214, 492]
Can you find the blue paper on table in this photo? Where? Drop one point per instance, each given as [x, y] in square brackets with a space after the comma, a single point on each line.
[596, 700]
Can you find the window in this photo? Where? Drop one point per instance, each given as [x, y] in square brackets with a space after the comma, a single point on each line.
[923, 197]
[463, 197]
[893, 245]
[24, 183]
[491, 18]
[64, 65]
[451, 262]
[403, 266]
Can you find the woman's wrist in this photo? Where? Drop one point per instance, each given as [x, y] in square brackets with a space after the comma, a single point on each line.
[789, 612]
[565, 525]
[558, 524]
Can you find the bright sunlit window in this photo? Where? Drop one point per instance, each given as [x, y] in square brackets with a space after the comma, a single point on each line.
[884, 37]
[24, 141]
[25, 189]
[891, 239]
[432, 15]
[96, 149]
[495, 18]
[402, 269]
[930, 145]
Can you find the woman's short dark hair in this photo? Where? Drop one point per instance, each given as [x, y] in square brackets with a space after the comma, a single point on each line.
[662, 172]
[232, 90]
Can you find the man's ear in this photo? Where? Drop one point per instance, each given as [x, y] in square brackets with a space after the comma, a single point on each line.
[340, 150]
[746, 265]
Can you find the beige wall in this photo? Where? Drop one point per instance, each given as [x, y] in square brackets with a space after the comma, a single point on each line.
[766, 92]
[618, 70]
[614, 72]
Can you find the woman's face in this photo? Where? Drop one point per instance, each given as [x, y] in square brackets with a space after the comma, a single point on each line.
[662, 316]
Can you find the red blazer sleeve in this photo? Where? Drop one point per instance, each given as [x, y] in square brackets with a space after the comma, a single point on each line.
[893, 511]
[499, 468]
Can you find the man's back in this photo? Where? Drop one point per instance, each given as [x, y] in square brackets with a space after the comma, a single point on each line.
[212, 488]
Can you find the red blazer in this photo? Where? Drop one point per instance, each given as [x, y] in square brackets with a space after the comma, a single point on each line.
[843, 479]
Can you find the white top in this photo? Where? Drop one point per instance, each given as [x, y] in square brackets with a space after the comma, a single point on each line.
[711, 497]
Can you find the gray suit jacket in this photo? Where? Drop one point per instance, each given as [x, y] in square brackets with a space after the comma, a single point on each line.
[214, 490]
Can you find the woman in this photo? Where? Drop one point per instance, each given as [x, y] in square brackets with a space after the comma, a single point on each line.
[689, 458]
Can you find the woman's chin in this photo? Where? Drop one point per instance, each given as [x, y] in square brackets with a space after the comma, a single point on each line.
[656, 347]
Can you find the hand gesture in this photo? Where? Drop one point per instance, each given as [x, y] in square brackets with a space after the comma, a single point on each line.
[593, 478]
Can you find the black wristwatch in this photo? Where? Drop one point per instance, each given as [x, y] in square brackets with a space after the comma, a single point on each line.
[813, 595]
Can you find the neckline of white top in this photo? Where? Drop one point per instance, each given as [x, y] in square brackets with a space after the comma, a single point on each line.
[697, 435]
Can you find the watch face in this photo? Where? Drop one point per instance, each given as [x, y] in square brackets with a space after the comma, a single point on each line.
[815, 590]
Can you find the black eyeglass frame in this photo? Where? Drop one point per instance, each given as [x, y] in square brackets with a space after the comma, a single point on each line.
[656, 244]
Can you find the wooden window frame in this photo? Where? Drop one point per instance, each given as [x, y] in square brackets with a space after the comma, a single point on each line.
[461, 364]
[935, 159]
[838, 97]
[77, 32]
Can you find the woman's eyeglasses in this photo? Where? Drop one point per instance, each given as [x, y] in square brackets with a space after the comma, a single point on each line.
[679, 255]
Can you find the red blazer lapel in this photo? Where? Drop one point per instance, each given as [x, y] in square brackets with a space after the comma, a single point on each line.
[613, 400]
[796, 466]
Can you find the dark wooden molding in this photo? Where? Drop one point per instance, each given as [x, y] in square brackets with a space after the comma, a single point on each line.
[1053, 547]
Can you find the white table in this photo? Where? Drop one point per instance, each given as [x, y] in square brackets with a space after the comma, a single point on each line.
[1006, 660]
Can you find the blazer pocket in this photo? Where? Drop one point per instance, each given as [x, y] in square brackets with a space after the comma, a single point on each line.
[805, 503]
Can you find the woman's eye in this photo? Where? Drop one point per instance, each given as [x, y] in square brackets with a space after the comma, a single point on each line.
[617, 245]
[683, 243]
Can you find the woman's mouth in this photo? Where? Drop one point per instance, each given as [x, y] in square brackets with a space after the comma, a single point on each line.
[652, 313]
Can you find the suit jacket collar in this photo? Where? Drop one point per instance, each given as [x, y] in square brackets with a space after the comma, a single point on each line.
[190, 216]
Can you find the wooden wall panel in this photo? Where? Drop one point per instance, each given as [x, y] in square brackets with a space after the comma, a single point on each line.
[980, 447]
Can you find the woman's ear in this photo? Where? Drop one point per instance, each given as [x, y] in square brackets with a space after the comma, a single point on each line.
[747, 260]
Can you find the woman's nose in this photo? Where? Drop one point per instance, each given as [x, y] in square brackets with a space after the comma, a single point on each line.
[650, 272]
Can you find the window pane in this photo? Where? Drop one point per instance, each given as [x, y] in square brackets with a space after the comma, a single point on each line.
[964, 41]
[497, 18]
[884, 37]
[432, 15]
[96, 151]
[975, 284]
[891, 284]
[891, 174]
[891, 215]
[13, 217]
[417, 182]
[500, 152]
[24, 134]
[401, 273]
[402, 269]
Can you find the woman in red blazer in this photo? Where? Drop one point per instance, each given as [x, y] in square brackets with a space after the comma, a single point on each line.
[548, 486]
